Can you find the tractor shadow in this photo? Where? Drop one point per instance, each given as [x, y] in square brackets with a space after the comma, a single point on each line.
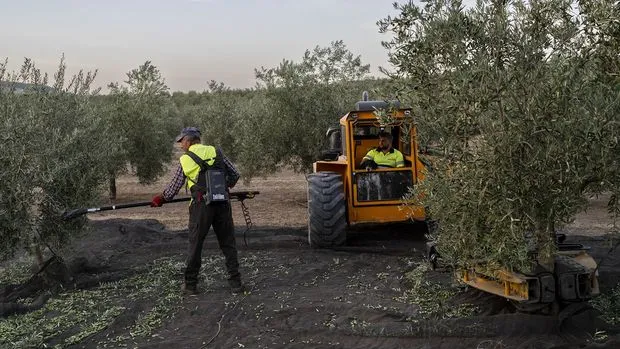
[407, 238]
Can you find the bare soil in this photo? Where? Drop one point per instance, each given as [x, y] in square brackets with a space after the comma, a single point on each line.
[281, 202]
[355, 297]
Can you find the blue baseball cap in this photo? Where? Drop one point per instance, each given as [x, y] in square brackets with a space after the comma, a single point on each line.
[188, 131]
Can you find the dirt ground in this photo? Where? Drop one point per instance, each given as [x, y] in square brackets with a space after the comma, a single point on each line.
[280, 204]
[375, 293]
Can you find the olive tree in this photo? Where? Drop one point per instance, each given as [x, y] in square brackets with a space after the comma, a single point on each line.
[282, 121]
[55, 148]
[304, 99]
[218, 114]
[144, 122]
[523, 99]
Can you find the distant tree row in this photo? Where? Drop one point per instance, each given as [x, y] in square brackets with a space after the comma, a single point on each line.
[64, 143]
[282, 121]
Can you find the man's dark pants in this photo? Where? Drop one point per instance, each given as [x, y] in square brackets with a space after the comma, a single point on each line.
[201, 218]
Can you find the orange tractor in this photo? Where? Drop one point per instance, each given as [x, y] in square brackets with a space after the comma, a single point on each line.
[342, 192]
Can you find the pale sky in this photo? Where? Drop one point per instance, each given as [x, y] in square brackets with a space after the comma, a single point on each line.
[190, 41]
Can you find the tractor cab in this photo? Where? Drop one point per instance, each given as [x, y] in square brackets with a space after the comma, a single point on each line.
[366, 195]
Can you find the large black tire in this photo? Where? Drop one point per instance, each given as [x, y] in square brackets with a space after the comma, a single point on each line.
[327, 208]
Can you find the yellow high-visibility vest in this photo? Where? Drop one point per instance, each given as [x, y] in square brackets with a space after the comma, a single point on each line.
[393, 158]
[190, 168]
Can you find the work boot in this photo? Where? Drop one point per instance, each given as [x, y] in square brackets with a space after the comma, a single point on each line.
[189, 290]
[236, 286]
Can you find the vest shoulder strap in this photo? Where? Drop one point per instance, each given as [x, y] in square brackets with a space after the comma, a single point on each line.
[202, 163]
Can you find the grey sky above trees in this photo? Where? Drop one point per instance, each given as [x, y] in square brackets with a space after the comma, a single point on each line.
[191, 41]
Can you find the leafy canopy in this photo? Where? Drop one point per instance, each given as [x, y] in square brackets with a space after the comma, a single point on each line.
[523, 100]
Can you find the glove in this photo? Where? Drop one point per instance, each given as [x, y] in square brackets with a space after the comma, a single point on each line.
[157, 201]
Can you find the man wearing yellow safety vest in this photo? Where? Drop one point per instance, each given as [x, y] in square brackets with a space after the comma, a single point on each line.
[207, 206]
[384, 155]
